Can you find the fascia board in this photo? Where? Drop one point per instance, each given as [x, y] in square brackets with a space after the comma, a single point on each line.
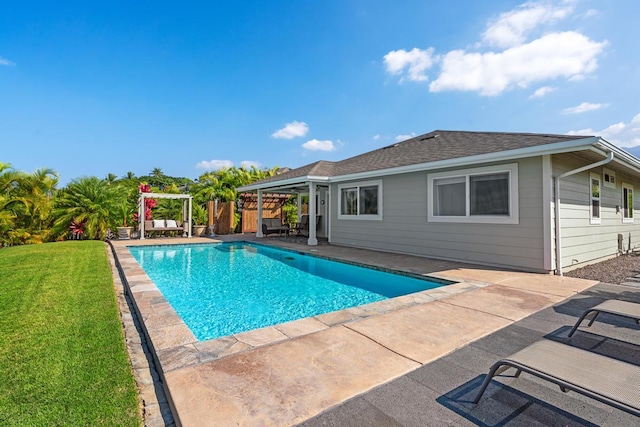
[299, 180]
[621, 156]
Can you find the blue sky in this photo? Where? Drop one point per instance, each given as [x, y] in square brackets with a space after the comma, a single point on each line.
[90, 89]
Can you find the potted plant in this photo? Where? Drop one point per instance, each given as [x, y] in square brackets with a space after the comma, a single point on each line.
[124, 232]
[200, 220]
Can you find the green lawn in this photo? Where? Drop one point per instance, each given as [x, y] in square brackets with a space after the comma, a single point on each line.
[62, 354]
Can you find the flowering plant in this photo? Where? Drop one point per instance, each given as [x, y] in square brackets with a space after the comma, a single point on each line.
[77, 227]
[148, 203]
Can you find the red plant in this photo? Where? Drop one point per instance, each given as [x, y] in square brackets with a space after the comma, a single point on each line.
[148, 203]
[77, 227]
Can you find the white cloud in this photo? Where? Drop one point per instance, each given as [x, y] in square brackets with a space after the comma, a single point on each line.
[214, 164]
[415, 61]
[247, 164]
[621, 134]
[399, 138]
[291, 130]
[376, 137]
[583, 108]
[520, 48]
[540, 92]
[4, 61]
[555, 55]
[316, 145]
[511, 27]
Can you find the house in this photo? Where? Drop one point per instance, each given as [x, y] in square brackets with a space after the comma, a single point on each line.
[480, 197]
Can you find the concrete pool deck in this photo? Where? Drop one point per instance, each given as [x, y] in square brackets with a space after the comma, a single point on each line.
[290, 373]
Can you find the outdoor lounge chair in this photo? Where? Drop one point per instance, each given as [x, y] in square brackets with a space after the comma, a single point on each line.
[617, 307]
[607, 380]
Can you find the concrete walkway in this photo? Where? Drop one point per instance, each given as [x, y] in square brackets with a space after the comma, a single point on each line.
[290, 373]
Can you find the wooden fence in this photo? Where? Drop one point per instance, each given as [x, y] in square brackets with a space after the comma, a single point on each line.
[271, 208]
[223, 221]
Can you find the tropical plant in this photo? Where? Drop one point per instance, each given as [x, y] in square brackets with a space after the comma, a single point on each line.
[169, 209]
[222, 184]
[111, 178]
[88, 201]
[13, 207]
[37, 190]
[199, 214]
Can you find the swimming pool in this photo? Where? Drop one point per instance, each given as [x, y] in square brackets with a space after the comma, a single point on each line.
[223, 289]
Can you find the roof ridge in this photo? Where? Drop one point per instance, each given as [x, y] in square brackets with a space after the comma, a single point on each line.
[555, 135]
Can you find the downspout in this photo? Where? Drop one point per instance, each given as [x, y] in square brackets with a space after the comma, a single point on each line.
[557, 205]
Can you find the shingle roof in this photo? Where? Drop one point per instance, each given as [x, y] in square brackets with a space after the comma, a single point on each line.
[431, 147]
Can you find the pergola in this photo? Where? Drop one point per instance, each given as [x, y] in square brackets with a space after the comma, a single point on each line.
[187, 206]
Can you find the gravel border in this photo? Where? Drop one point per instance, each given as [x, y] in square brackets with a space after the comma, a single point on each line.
[615, 270]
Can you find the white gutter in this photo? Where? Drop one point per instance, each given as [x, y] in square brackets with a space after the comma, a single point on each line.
[557, 205]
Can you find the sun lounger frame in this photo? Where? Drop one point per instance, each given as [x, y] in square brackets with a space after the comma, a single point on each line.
[616, 307]
[557, 351]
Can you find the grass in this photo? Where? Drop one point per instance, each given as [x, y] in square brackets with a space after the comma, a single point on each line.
[62, 355]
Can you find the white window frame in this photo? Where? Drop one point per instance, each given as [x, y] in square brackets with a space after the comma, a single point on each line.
[611, 175]
[626, 219]
[593, 219]
[512, 218]
[360, 216]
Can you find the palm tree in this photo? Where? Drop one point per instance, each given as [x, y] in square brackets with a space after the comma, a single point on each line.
[9, 178]
[38, 191]
[157, 173]
[91, 202]
[111, 178]
[12, 205]
[130, 175]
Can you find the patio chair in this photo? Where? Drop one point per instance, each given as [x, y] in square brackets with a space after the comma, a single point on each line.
[606, 380]
[617, 307]
[302, 226]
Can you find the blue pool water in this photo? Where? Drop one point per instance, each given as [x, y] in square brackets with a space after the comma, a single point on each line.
[222, 289]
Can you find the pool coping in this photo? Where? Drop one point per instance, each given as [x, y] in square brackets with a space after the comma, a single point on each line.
[176, 347]
[179, 355]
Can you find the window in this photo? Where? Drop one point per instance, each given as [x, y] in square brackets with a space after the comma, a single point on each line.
[609, 178]
[485, 195]
[361, 200]
[627, 203]
[450, 197]
[595, 199]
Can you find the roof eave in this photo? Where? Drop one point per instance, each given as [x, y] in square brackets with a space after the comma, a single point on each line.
[282, 183]
[620, 156]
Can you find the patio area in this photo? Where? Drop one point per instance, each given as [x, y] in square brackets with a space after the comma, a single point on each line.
[412, 360]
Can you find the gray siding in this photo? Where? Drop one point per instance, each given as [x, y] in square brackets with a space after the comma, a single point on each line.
[405, 228]
[583, 242]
